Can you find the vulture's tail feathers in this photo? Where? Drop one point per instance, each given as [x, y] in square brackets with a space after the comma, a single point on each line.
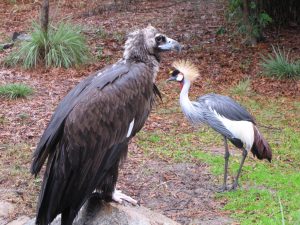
[157, 92]
[45, 146]
[261, 148]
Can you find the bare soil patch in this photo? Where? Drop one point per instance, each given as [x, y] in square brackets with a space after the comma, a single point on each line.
[182, 191]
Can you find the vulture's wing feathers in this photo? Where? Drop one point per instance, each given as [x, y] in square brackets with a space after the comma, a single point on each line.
[89, 136]
[52, 133]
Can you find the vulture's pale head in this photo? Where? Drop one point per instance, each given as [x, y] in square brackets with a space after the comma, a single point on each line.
[147, 42]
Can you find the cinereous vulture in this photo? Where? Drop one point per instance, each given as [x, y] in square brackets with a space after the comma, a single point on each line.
[88, 134]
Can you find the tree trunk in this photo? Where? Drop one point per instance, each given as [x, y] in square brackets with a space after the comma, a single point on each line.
[45, 16]
[249, 32]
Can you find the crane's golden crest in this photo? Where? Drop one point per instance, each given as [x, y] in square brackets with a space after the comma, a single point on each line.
[187, 68]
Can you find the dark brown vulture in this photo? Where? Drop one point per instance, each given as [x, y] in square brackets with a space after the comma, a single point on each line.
[88, 134]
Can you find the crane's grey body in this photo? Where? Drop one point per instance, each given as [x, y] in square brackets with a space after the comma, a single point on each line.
[210, 108]
[225, 116]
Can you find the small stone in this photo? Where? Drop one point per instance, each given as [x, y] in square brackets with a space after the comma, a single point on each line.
[3, 221]
[20, 221]
[6, 209]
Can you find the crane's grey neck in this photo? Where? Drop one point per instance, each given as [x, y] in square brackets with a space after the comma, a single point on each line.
[185, 102]
[190, 108]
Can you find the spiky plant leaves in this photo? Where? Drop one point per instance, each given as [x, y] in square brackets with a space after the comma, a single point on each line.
[280, 65]
[63, 46]
[15, 90]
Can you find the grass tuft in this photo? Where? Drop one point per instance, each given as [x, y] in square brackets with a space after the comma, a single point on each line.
[16, 90]
[242, 88]
[63, 46]
[280, 65]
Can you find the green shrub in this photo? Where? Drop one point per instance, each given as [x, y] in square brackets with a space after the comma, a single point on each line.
[258, 19]
[64, 46]
[15, 90]
[278, 64]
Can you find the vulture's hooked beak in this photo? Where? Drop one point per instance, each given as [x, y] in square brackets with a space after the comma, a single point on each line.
[170, 45]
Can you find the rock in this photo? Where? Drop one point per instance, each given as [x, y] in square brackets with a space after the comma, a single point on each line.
[20, 221]
[97, 212]
[6, 209]
[213, 221]
[3, 221]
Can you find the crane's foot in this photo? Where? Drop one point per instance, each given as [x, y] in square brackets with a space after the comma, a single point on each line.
[235, 185]
[223, 189]
[118, 196]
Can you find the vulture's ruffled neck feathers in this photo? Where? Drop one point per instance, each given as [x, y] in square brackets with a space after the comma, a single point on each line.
[138, 46]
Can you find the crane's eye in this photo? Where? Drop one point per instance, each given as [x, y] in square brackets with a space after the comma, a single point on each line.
[160, 39]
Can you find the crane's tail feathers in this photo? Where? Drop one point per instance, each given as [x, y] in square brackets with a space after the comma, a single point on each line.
[261, 148]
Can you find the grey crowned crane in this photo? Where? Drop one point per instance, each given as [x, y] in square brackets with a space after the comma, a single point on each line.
[88, 134]
[222, 114]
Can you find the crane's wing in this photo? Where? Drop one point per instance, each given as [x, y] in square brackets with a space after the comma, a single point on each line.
[87, 132]
[226, 107]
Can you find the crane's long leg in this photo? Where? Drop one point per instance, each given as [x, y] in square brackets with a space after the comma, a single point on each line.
[226, 157]
[236, 183]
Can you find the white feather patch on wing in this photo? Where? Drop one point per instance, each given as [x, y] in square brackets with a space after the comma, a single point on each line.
[130, 128]
[242, 130]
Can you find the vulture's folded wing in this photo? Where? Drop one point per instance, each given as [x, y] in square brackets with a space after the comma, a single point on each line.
[55, 127]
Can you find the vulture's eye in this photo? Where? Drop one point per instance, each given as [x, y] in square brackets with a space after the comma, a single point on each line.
[160, 39]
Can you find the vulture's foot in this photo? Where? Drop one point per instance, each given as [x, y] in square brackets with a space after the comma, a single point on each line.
[118, 196]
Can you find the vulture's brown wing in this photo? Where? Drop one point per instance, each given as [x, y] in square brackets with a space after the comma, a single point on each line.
[94, 132]
[52, 134]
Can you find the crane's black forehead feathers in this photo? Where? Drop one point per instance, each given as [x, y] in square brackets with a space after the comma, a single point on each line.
[175, 72]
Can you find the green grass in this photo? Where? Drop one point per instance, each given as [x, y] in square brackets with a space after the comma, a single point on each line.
[64, 46]
[15, 90]
[242, 88]
[280, 65]
[270, 192]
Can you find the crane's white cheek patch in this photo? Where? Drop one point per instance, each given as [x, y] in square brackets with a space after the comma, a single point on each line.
[179, 77]
[130, 128]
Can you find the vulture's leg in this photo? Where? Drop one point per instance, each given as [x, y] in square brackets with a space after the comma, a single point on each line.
[110, 183]
[226, 157]
[109, 188]
[68, 216]
[236, 183]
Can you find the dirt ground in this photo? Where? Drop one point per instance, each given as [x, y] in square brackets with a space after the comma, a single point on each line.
[184, 192]
[181, 191]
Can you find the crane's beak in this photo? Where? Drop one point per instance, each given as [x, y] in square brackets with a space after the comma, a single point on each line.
[173, 78]
[170, 45]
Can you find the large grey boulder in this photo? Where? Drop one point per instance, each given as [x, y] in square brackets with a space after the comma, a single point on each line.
[97, 212]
